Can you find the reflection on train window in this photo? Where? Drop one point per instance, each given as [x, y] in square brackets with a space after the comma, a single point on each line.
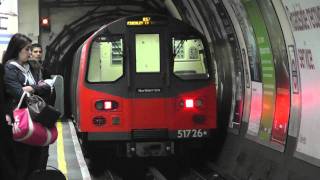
[147, 53]
[180, 50]
[189, 58]
[106, 59]
[117, 55]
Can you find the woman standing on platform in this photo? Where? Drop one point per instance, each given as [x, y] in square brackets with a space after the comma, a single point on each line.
[6, 165]
[19, 77]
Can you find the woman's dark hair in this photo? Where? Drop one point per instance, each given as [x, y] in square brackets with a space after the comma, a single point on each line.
[17, 42]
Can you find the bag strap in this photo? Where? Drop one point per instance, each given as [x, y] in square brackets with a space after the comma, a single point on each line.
[21, 99]
[54, 79]
[26, 72]
[18, 66]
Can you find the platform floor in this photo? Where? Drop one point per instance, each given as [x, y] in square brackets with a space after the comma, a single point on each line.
[66, 155]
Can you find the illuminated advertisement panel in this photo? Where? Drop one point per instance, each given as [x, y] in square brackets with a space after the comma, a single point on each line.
[304, 18]
[282, 104]
[267, 67]
[255, 110]
[294, 118]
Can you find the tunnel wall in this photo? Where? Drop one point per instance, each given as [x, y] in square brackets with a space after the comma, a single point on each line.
[296, 155]
[268, 141]
[59, 18]
[243, 159]
[305, 23]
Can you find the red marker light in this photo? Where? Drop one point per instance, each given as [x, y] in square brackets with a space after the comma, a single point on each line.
[45, 21]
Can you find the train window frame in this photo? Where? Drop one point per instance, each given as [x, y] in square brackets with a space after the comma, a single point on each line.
[111, 64]
[189, 74]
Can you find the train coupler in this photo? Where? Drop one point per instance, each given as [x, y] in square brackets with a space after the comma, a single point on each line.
[150, 149]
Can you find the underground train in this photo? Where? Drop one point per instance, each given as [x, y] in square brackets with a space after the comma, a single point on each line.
[144, 86]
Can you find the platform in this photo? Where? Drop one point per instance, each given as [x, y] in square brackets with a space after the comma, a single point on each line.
[66, 155]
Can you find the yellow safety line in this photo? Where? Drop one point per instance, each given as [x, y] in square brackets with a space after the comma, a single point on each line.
[62, 165]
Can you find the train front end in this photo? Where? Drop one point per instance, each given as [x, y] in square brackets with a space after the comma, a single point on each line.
[144, 87]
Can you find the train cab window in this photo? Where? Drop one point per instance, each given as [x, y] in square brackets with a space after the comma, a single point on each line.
[106, 59]
[189, 58]
[147, 53]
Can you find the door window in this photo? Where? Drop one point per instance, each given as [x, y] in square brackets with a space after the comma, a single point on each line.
[147, 53]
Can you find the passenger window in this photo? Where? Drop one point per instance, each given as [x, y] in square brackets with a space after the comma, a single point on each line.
[106, 59]
[189, 58]
[147, 53]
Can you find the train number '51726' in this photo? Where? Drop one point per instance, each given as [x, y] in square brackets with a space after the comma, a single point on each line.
[192, 133]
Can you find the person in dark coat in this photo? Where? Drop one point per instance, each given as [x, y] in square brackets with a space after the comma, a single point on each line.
[36, 63]
[35, 59]
[19, 77]
[7, 170]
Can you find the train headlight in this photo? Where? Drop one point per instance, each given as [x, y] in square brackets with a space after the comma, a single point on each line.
[189, 103]
[106, 105]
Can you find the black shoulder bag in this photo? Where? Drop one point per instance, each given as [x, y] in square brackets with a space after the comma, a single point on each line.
[41, 112]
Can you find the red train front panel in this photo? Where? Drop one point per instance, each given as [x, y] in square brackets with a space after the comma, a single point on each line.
[183, 112]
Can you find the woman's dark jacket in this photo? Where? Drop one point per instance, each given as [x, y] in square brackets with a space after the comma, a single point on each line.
[2, 102]
[6, 166]
[14, 80]
[5, 130]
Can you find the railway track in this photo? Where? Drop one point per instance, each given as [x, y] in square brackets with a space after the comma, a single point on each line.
[158, 172]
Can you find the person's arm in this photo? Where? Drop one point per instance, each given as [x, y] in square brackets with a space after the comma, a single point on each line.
[28, 89]
[12, 84]
[40, 88]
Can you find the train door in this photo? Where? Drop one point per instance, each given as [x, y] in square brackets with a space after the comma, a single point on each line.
[148, 78]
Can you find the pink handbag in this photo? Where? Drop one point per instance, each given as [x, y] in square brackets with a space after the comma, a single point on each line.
[26, 131]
